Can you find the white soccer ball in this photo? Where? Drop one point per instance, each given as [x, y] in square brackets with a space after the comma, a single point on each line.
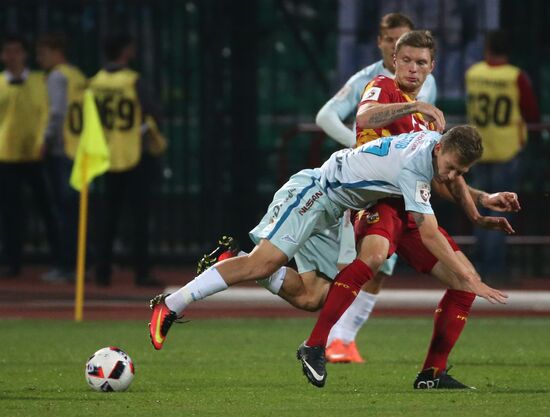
[109, 369]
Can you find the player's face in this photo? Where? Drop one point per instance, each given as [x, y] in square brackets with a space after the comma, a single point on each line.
[386, 43]
[412, 66]
[45, 57]
[14, 56]
[447, 166]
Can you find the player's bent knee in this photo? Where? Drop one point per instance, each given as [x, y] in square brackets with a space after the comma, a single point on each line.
[375, 261]
[305, 299]
[313, 303]
[317, 295]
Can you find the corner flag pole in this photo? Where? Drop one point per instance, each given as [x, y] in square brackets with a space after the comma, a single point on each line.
[81, 254]
[91, 160]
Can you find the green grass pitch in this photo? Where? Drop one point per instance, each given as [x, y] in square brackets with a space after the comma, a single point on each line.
[247, 367]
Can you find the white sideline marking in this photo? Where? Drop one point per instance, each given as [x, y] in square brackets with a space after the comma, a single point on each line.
[390, 298]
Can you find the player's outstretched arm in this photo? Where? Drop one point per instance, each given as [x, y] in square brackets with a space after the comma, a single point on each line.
[438, 245]
[466, 197]
[504, 201]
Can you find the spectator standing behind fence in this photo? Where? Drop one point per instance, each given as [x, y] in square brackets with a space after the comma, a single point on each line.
[500, 102]
[23, 116]
[124, 104]
[66, 85]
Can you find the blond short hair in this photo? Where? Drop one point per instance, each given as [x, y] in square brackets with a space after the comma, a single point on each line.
[465, 141]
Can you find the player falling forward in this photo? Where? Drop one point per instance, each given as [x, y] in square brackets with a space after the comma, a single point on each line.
[303, 220]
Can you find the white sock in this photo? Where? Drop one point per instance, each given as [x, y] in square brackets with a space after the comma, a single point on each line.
[353, 319]
[208, 283]
[275, 281]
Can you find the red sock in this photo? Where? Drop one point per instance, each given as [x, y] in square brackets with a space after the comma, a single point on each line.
[449, 321]
[343, 291]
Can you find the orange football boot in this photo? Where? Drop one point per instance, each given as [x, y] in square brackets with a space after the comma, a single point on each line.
[161, 320]
[340, 352]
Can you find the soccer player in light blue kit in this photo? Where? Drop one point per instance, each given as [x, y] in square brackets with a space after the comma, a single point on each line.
[341, 343]
[302, 222]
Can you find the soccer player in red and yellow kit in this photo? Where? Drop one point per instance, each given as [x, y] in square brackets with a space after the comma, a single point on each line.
[393, 103]
[389, 95]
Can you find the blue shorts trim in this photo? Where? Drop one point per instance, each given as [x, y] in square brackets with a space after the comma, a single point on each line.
[290, 208]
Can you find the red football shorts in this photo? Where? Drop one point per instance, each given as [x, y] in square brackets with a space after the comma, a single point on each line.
[389, 219]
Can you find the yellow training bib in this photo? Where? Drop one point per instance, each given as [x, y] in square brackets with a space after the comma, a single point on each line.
[72, 126]
[493, 108]
[120, 113]
[23, 118]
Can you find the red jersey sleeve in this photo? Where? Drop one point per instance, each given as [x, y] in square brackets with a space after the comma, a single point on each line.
[528, 104]
[381, 90]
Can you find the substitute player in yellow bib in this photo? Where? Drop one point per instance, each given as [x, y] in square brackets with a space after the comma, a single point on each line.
[23, 108]
[66, 85]
[23, 116]
[500, 103]
[120, 110]
[125, 104]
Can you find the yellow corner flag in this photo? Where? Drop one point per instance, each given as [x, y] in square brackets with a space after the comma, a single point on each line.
[91, 160]
[92, 154]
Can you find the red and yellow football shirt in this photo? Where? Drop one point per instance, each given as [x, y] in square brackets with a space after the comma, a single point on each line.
[384, 90]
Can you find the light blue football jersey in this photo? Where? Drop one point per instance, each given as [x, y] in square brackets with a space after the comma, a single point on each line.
[390, 166]
[348, 98]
